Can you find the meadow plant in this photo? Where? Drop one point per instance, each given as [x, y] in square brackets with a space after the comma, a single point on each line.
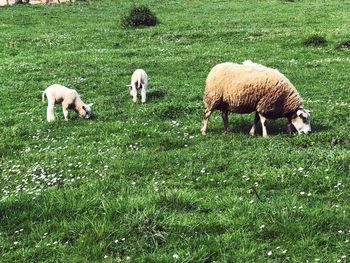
[139, 16]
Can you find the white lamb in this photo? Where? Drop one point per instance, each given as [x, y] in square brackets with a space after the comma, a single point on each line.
[139, 79]
[69, 98]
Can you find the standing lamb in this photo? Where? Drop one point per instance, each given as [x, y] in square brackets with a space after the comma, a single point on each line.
[139, 79]
[69, 98]
[252, 87]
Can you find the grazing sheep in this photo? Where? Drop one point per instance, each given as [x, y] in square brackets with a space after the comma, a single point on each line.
[69, 98]
[139, 79]
[252, 87]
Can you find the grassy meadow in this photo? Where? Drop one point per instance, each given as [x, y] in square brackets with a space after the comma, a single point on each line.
[139, 183]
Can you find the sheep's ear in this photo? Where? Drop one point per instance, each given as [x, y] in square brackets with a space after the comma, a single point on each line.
[91, 104]
[302, 113]
[308, 111]
[129, 85]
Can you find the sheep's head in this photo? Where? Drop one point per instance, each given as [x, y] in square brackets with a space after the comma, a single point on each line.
[85, 111]
[130, 89]
[301, 121]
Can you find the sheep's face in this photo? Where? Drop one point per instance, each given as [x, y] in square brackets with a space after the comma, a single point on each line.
[301, 121]
[85, 111]
[130, 90]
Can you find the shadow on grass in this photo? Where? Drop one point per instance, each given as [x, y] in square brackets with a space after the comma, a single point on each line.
[243, 126]
[180, 203]
[318, 127]
[156, 95]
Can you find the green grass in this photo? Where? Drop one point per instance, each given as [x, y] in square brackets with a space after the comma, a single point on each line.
[138, 182]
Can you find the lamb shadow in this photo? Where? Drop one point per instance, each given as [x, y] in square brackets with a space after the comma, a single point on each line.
[156, 94]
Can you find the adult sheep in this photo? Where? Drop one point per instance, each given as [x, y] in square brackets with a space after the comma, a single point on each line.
[252, 87]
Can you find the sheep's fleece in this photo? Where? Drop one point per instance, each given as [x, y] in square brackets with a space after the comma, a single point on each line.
[69, 98]
[252, 87]
[139, 79]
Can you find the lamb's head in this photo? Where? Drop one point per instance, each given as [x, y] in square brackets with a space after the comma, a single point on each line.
[85, 110]
[130, 89]
[301, 120]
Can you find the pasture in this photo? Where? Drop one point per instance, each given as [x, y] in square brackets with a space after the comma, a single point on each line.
[139, 183]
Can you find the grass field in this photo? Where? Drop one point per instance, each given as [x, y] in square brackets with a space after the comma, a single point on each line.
[138, 183]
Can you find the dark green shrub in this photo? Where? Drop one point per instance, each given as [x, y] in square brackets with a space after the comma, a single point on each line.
[345, 45]
[139, 16]
[315, 40]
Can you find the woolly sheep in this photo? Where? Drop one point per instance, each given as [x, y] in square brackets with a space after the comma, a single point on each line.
[139, 79]
[252, 87]
[69, 98]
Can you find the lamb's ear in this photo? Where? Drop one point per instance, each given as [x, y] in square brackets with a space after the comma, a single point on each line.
[129, 85]
[90, 105]
[308, 111]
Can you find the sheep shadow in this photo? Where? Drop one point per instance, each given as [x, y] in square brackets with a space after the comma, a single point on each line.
[318, 127]
[156, 95]
[274, 127]
[243, 126]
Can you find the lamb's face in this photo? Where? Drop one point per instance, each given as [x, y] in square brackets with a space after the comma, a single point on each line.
[301, 121]
[130, 90]
[85, 111]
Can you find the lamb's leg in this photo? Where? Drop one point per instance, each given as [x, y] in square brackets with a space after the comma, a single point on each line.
[65, 111]
[143, 93]
[134, 93]
[255, 122]
[262, 120]
[50, 110]
[205, 121]
[224, 114]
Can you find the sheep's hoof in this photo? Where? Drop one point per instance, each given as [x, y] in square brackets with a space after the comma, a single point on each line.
[252, 133]
[203, 132]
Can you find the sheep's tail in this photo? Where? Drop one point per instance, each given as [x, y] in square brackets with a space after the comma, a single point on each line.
[43, 96]
[139, 81]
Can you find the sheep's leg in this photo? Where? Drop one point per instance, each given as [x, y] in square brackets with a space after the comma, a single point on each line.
[224, 115]
[134, 93]
[205, 121]
[50, 110]
[143, 94]
[65, 111]
[263, 120]
[255, 122]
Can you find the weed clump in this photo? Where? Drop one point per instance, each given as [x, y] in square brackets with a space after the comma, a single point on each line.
[139, 16]
[344, 45]
[315, 40]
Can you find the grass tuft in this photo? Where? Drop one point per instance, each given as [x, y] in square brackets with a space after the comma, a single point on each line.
[139, 16]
